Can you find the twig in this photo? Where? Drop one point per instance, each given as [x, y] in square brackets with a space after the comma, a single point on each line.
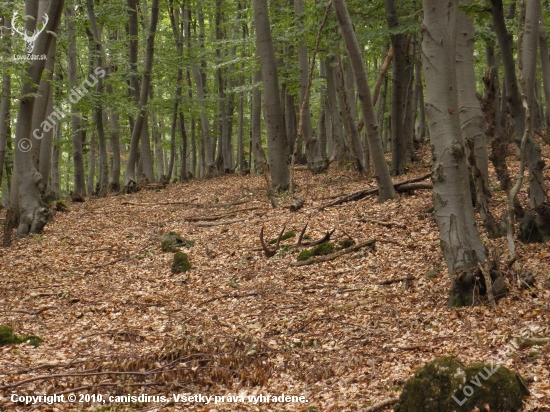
[228, 296]
[382, 404]
[28, 312]
[326, 258]
[224, 222]
[112, 262]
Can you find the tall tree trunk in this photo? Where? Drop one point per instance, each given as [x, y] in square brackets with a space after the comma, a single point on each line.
[454, 215]
[420, 94]
[91, 166]
[535, 225]
[56, 155]
[32, 214]
[383, 179]
[99, 71]
[398, 91]
[260, 161]
[5, 98]
[471, 118]
[512, 91]
[130, 178]
[276, 138]
[339, 151]
[79, 190]
[183, 135]
[545, 67]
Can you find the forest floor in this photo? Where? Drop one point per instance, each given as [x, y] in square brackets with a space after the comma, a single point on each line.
[98, 290]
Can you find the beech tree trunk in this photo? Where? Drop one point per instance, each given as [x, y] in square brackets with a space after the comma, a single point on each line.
[33, 216]
[535, 225]
[5, 98]
[129, 177]
[383, 179]
[505, 43]
[398, 92]
[545, 67]
[276, 138]
[454, 214]
[338, 151]
[79, 190]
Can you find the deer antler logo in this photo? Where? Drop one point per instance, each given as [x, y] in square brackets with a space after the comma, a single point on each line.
[29, 40]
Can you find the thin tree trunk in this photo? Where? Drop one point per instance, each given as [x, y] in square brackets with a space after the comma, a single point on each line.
[130, 178]
[5, 98]
[383, 179]
[398, 91]
[545, 67]
[91, 166]
[56, 155]
[512, 91]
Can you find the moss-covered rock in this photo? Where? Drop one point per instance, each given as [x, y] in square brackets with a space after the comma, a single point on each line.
[286, 236]
[172, 241]
[447, 385]
[181, 263]
[325, 248]
[7, 337]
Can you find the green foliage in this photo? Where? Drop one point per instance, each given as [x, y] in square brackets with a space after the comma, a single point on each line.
[181, 263]
[7, 337]
[346, 243]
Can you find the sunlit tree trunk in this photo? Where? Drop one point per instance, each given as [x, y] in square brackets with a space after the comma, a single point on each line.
[5, 98]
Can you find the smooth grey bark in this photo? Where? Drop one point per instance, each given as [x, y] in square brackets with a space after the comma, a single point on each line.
[545, 67]
[532, 149]
[471, 117]
[409, 111]
[129, 177]
[207, 160]
[505, 43]
[5, 98]
[276, 138]
[313, 156]
[45, 160]
[386, 190]
[56, 155]
[260, 161]
[114, 177]
[398, 91]
[339, 150]
[352, 139]
[454, 214]
[79, 190]
[420, 95]
[91, 166]
[98, 51]
[183, 160]
[32, 214]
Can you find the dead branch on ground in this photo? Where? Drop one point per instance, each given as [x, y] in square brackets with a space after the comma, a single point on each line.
[332, 256]
[373, 191]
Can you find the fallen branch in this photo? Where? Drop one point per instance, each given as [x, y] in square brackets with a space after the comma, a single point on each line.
[332, 256]
[373, 191]
[528, 342]
[228, 296]
[223, 222]
[389, 282]
[28, 312]
[382, 404]
[158, 203]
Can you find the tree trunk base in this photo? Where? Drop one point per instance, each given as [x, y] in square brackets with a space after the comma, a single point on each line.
[534, 226]
[468, 288]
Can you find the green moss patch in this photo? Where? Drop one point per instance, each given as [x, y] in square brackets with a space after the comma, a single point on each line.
[447, 385]
[172, 241]
[181, 263]
[7, 337]
[325, 248]
[347, 243]
[286, 236]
